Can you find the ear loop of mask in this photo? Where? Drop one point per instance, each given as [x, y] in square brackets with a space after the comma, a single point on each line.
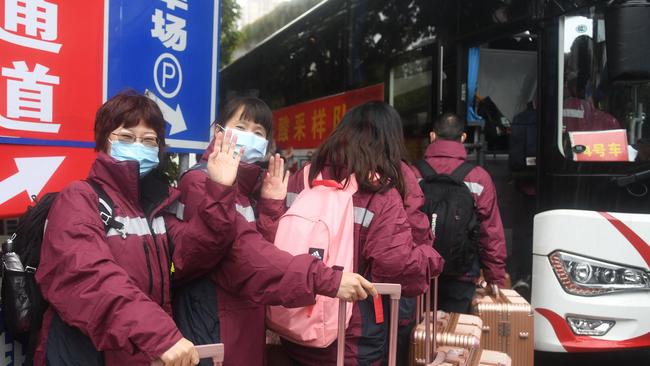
[220, 127]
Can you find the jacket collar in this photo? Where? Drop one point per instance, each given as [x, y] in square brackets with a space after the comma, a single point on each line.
[446, 149]
[119, 176]
[124, 177]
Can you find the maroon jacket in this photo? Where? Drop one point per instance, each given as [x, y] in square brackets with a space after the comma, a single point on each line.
[386, 251]
[115, 289]
[445, 156]
[255, 272]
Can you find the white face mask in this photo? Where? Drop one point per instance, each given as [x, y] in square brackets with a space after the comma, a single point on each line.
[255, 145]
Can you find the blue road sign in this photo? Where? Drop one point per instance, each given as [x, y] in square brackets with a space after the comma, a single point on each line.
[168, 49]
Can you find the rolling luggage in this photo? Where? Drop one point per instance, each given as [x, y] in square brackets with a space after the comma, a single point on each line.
[213, 351]
[507, 324]
[473, 357]
[395, 292]
[448, 355]
[277, 357]
[452, 329]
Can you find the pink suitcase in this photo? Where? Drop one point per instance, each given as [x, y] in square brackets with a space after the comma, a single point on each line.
[453, 356]
[395, 292]
[213, 351]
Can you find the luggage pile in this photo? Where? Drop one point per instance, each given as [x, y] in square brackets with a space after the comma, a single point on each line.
[499, 333]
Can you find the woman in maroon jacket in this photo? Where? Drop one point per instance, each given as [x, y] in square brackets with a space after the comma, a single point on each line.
[228, 306]
[109, 290]
[367, 144]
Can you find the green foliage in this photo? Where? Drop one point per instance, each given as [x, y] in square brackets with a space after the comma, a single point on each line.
[172, 168]
[283, 14]
[230, 36]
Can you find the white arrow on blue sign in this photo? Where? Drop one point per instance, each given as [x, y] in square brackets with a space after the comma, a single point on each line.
[168, 49]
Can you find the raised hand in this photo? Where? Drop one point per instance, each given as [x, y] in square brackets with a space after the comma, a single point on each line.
[224, 159]
[276, 180]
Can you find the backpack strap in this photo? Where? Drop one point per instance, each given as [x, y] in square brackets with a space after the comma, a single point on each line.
[106, 210]
[461, 172]
[425, 169]
[200, 165]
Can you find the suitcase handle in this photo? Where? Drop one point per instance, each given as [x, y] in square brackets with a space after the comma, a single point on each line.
[428, 352]
[395, 292]
[214, 351]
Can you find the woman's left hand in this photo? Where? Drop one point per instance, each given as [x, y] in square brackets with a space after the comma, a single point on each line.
[276, 181]
[223, 162]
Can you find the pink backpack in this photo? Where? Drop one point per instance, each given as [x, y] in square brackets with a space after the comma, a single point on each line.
[320, 222]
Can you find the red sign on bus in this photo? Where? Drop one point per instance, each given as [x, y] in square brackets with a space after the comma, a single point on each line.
[609, 145]
[305, 125]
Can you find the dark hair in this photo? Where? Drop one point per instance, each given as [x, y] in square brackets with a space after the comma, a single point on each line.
[254, 110]
[127, 109]
[369, 142]
[449, 127]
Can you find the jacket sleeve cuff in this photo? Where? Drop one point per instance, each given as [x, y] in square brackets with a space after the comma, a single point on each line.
[492, 279]
[164, 346]
[218, 191]
[271, 208]
[327, 280]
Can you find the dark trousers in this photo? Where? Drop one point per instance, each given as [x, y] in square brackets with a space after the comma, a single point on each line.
[455, 296]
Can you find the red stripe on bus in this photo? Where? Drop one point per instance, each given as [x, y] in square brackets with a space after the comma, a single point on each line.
[639, 244]
[575, 343]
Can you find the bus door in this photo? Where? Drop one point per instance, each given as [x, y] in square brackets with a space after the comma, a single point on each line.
[499, 85]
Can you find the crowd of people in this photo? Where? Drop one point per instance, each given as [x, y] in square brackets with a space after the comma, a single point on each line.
[197, 264]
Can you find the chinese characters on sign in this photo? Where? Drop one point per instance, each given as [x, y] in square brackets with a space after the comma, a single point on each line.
[167, 49]
[30, 92]
[610, 145]
[305, 125]
[42, 44]
[46, 98]
[169, 28]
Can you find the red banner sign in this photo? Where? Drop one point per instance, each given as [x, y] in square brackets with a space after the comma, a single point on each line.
[33, 170]
[51, 62]
[305, 125]
[608, 145]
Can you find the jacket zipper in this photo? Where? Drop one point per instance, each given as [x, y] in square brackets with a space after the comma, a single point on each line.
[146, 253]
[162, 275]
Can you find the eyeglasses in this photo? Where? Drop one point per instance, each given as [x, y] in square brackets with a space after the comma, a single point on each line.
[128, 138]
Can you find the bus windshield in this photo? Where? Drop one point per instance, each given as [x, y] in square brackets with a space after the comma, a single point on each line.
[600, 120]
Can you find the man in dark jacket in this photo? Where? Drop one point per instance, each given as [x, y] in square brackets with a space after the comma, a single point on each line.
[446, 153]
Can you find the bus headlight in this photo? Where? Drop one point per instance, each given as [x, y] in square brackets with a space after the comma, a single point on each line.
[589, 277]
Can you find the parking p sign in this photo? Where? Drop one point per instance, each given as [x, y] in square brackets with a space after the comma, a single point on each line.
[168, 49]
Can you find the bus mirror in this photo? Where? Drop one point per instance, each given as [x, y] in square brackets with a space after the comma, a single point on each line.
[628, 45]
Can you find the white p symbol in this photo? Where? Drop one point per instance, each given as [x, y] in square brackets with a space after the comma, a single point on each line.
[170, 75]
[168, 72]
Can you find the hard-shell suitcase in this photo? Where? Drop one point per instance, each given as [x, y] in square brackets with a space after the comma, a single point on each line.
[507, 325]
[452, 356]
[395, 292]
[452, 329]
[423, 351]
[213, 351]
[473, 357]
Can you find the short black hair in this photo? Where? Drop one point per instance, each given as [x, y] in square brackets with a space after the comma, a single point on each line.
[449, 127]
[255, 110]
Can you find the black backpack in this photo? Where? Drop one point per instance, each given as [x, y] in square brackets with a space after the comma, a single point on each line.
[451, 209]
[23, 305]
